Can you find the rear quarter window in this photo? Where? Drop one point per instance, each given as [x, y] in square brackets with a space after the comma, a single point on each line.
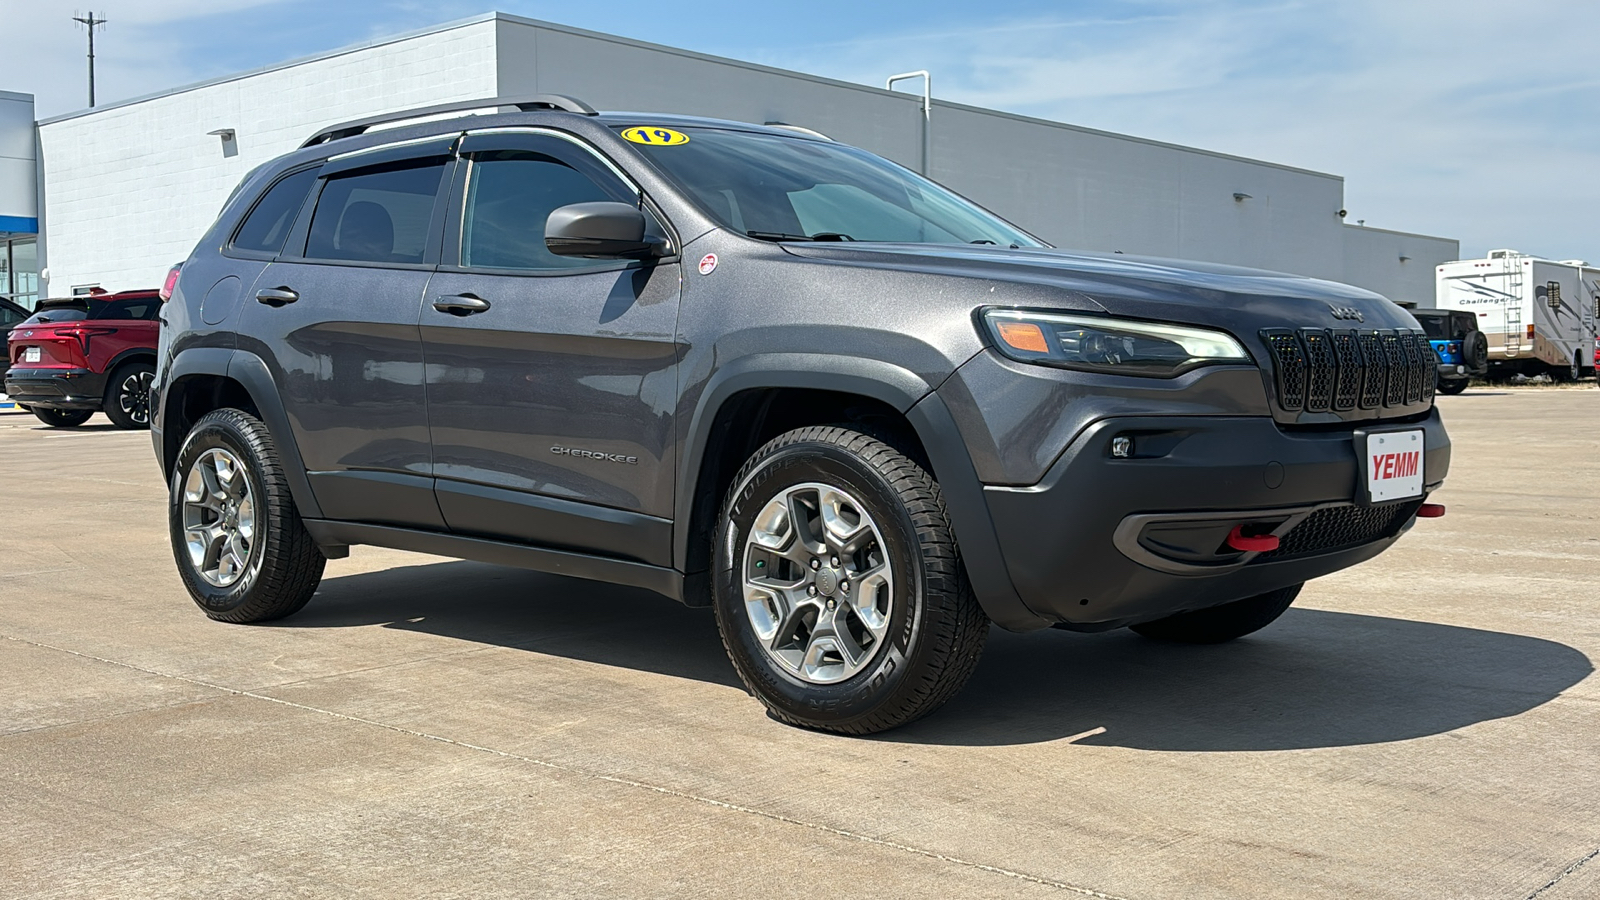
[268, 222]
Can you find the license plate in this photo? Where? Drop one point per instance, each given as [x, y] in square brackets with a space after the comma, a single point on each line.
[1393, 463]
[30, 354]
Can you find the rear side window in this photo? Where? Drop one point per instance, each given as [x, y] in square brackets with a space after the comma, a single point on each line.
[267, 225]
[10, 316]
[375, 216]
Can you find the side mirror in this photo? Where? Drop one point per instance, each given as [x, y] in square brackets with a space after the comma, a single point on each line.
[603, 230]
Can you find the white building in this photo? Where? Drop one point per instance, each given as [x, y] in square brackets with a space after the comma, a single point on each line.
[127, 188]
[19, 204]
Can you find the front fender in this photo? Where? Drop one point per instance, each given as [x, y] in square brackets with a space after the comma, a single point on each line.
[891, 384]
[907, 393]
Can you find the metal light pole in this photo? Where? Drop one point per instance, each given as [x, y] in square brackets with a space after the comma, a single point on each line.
[91, 23]
[927, 113]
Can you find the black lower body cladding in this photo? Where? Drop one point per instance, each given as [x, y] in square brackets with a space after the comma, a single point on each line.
[56, 388]
[1102, 542]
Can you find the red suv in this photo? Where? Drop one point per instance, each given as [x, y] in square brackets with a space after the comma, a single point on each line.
[75, 357]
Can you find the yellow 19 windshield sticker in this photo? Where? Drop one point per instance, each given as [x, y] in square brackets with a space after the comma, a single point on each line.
[658, 137]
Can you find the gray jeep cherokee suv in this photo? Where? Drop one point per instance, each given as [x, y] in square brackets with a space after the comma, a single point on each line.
[754, 369]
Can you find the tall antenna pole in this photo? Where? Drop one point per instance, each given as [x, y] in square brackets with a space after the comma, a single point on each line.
[92, 23]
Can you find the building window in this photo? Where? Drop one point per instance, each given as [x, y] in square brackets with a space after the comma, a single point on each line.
[19, 271]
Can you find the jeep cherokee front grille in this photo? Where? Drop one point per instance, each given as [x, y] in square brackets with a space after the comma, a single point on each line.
[1321, 370]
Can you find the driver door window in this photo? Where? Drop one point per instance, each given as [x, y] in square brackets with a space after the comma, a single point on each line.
[510, 195]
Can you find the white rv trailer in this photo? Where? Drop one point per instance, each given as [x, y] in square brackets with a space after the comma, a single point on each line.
[1539, 315]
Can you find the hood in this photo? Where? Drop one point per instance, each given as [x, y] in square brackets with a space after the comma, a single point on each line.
[1144, 287]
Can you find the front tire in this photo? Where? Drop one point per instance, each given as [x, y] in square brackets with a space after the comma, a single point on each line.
[838, 587]
[1220, 624]
[62, 418]
[127, 402]
[237, 537]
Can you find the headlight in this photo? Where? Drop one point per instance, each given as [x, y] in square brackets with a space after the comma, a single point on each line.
[1104, 344]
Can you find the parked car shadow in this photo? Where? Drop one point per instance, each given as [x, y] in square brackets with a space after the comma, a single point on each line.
[1315, 678]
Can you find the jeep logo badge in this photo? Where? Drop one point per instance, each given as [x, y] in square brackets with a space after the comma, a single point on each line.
[1346, 312]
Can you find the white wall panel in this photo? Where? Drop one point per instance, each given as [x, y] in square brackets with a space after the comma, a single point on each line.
[129, 189]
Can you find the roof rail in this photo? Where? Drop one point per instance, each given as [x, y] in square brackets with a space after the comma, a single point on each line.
[799, 129]
[559, 102]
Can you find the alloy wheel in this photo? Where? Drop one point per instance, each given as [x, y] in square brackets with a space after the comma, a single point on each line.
[133, 396]
[818, 583]
[219, 517]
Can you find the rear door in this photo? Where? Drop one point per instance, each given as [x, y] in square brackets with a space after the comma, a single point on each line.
[335, 317]
[551, 408]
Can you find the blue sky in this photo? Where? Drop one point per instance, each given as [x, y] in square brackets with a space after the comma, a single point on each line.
[1471, 119]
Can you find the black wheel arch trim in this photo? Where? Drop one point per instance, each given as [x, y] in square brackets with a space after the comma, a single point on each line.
[969, 516]
[132, 354]
[906, 392]
[251, 372]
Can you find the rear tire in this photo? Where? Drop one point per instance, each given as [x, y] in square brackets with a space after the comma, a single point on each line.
[241, 548]
[1220, 624]
[1453, 386]
[127, 402]
[838, 587]
[62, 418]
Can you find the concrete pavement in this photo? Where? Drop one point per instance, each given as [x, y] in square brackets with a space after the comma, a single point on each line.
[1426, 725]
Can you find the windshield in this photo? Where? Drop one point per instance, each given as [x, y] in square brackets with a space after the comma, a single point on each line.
[783, 188]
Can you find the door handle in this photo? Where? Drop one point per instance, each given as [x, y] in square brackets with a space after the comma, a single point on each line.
[460, 304]
[278, 296]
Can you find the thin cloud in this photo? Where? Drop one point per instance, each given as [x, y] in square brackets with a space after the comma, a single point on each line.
[1447, 118]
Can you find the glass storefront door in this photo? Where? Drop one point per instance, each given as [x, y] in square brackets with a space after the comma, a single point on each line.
[19, 271]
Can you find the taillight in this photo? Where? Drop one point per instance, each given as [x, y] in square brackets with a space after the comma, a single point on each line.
[82, 334]
[171, 283]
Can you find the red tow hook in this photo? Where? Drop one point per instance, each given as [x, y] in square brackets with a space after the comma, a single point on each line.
[1259, 543]
[1430, 511]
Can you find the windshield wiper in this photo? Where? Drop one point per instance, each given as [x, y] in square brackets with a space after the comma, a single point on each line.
[781, 236]
[777, 236]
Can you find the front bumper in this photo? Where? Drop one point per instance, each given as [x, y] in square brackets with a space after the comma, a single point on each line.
[1102, 542]
[56, 388]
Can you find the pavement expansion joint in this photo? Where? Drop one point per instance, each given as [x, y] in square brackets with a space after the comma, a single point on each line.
[1565, 872]
[627, 782]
